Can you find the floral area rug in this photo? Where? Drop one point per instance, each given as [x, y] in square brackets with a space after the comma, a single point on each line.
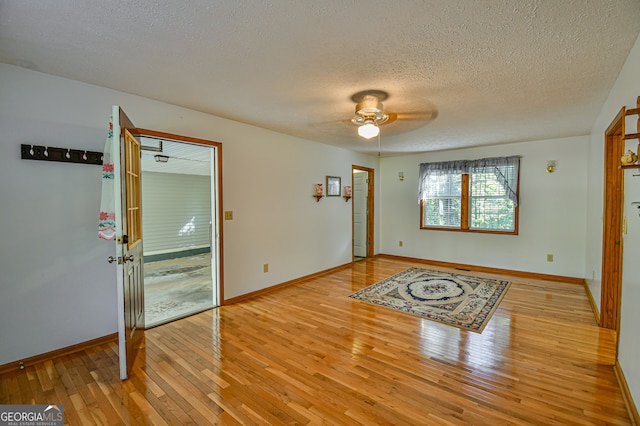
[462, 301]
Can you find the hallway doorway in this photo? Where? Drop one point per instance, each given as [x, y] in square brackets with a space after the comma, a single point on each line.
[362, 213]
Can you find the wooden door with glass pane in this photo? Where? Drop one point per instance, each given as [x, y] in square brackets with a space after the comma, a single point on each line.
[130, 279]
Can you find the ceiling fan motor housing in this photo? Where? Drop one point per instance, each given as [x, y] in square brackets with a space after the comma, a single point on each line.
[370, 108]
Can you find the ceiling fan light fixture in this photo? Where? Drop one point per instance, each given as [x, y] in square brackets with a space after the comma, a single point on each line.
[368, 130]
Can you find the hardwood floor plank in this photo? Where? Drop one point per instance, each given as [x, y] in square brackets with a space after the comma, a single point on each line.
[308, 354]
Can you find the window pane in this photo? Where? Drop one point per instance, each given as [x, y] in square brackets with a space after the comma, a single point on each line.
[485, 184]
[442, 206]
[490, 208]
[444, 185]
[443, 212]
[492, 213]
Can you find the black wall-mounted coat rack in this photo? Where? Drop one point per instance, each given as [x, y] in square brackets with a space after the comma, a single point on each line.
[64, 155]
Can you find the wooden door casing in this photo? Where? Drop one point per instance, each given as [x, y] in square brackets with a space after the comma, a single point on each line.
[369, 188]
[612, 225]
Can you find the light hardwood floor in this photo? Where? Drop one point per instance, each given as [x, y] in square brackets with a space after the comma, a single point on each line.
[307, 354]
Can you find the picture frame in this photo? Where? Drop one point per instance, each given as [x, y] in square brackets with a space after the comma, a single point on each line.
[333, 186]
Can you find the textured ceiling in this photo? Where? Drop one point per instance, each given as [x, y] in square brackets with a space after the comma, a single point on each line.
[491, 71]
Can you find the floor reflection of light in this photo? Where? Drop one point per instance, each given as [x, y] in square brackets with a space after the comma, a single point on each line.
[454, 345]
[216, 330]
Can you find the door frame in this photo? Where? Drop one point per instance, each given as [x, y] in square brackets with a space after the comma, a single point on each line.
[611, 279]
[218, 201]
[370, 211]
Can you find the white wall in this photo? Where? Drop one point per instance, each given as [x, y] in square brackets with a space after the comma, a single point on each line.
[624, 93]
[552, 211]
[56, 288]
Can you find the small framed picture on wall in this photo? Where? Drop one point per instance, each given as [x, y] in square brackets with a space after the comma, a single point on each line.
[333, 186]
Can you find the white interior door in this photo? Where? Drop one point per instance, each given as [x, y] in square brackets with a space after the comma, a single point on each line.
[129, 277]
[360, 213]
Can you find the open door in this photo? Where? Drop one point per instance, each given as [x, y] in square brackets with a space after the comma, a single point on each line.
[362, 212]
[130, 290]
[359, 199]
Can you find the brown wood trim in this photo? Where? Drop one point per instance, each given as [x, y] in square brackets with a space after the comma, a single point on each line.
[171, 136]
[284, 284]
[490, 270]
[616, 123]
[15, 365]
[592, 302]
[626, 394]
[472, 231]
[465, 202]
[370, 208]
[611, 280]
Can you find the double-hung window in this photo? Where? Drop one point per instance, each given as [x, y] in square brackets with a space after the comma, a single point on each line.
[470, 195]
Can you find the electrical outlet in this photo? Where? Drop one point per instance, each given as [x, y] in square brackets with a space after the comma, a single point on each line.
[549, 257]
[265, 267]
[400, 243]
[228, 215]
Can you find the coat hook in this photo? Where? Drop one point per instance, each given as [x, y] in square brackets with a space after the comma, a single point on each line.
[31, 151]
[84, 156]
[46, 151]
[68, 154]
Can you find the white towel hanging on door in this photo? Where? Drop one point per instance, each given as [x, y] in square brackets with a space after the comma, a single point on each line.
[107, 222]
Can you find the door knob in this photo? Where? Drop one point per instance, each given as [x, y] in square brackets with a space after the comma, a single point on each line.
[127, 258]
[111, 259]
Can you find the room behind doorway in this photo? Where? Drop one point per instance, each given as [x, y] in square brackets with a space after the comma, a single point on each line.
[177, 212]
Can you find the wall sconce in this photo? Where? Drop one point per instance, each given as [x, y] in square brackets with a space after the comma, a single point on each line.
[551, 166]
[401, 176]
[318, 191]
[347, 193]
[161, 158]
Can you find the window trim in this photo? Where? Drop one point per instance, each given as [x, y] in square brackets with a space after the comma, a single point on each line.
[465, 203]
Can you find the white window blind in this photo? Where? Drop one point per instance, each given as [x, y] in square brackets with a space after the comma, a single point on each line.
[442, 206]
[490, 207]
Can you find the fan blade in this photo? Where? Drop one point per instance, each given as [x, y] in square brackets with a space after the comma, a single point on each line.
[425, 116]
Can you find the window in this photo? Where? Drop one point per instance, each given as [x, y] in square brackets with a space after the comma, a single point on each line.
[474, 196]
